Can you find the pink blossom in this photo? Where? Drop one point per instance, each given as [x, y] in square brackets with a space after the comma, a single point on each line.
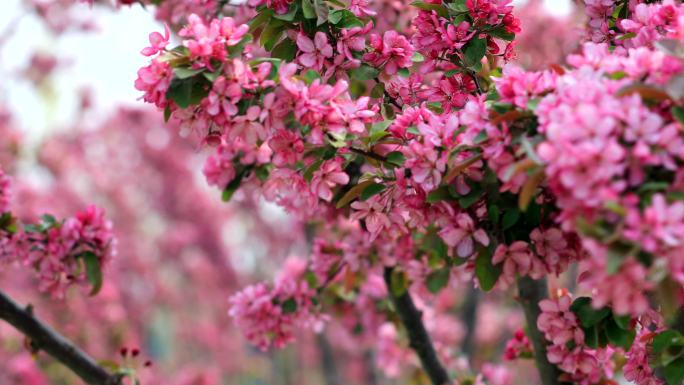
[314, 52]
[660, 227]
[391, 51]
[287, 147]
[361, 8]
[158, 42]
[154, 80]
[327, 177]
[462, 235]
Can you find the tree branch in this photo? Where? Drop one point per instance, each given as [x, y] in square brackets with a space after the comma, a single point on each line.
[328, 364]
[419, 339]
[531, 292]
[469, 318]
[44, 338]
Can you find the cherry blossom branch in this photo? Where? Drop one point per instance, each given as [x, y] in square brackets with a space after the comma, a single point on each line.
[45, 338]
[419, 338]
[530, 293]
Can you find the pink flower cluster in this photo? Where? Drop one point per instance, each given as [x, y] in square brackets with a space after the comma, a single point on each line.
[5, 191]
[210, 41]
[518, 346]
[568, 351]
[59, 251]
[269, 317]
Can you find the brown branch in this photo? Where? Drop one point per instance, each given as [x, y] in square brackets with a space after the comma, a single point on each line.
[531, 292]
[328, 364]
[419, 338]
[44, 338]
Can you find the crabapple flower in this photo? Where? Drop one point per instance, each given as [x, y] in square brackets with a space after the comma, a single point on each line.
[392, 51]
[327, 177]
[157, 42]
[462, 234]
[314, 52]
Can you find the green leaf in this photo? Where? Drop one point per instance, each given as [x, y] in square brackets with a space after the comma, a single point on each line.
[470, 199]
[437, 280]
[494, 213]
[187, 92]
[396, 158]
[440, 9]
[344, 18]
[440, 194]
[678, 113]
[458, 6]
[378, 90]
[308, 173]
[184, 72]
[674, 372]
[364, 72]
[623, 321]
[591, 337]
[285, 50]
[474, 51]
[93, 271]
[271, 34]
[310, 76]
[233, 185]
[618, 336]
[167, 113]
[260, 19]
[586, 313]
[501, 33]
[664, 340]
[487, 274]
[308, 9]
[417, 57]
[510, 218]
[289, 306]
[371, 189]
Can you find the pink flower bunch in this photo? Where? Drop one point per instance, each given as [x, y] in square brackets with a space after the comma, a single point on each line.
[625, 290]
[268, 317]
[154, 80]
[60, 252]
[314, 53]
[494, 12]
[599, 11]
[210, 41]
[517, 86]
[5, 191]
[518, 346]
[637, 369]
[651, 22]
[391, 51]
[560, 327]
[435, 34]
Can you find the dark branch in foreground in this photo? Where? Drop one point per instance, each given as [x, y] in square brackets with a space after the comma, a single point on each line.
[42, 337]
[419, 339]
[531, 292]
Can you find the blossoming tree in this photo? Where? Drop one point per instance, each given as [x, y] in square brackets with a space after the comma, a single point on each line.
[429, 167]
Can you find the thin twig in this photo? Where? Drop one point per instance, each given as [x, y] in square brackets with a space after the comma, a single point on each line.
[44, 338]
